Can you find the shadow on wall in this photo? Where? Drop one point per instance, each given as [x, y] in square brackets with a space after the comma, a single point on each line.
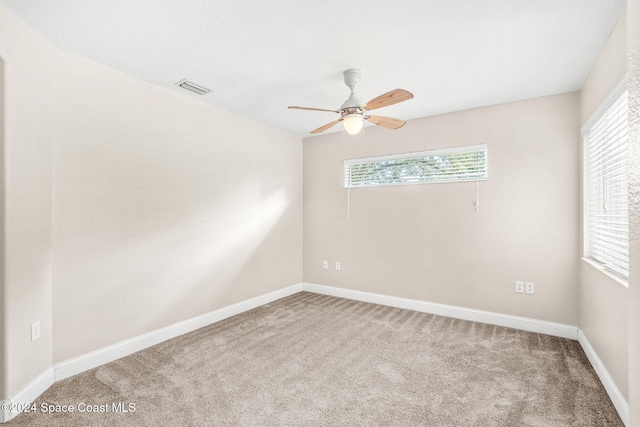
[211, 248]
[153, 237]
[214, 259]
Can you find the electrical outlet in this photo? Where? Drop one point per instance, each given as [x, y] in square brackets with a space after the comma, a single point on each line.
[325, 264]
[35, 330]
[530, 288]
[519, 287]
[337, 265]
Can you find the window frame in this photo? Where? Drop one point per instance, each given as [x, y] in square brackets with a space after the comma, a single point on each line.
[410, 155]
[609, 101]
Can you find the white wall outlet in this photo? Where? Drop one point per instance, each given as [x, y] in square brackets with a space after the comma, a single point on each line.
[325, 264]
[35, 330]
[529, 288]
[519, 287]
[337, 265]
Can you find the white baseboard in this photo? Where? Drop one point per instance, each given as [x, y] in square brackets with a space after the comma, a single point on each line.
[29, 393]
[516, 322]
[116, 351]
[620, 403]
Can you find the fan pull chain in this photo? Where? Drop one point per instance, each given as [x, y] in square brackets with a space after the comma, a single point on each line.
[349, 194]
[477, 179]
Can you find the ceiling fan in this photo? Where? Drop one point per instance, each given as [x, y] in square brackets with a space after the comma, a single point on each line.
[353, 112]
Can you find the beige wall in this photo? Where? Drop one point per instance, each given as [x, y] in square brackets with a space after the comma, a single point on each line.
[633, 38]
[144, 207]
[606, 72]
[2, 234]
[427, 242]
[27, 203]
[165, 203]
[603, 301]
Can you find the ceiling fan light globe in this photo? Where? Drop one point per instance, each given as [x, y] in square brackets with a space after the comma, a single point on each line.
[353, 123]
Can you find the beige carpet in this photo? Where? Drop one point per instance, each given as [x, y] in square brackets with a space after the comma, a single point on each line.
[316, 360]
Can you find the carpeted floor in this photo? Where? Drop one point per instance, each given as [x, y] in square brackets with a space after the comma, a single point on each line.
[311, 359]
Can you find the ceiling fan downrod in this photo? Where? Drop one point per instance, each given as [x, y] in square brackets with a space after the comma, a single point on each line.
[351, 78]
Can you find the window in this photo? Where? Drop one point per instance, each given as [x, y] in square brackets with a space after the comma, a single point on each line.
[606, 186]
[448, 165]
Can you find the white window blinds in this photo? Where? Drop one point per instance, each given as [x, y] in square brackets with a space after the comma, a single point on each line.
[447, 165]
[607, 208]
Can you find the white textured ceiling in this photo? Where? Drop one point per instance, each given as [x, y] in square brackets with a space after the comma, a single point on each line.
[260, 56]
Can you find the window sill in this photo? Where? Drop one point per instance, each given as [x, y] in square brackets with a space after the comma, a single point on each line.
[595, 264]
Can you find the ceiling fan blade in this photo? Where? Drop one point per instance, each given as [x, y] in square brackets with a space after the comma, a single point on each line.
[388, 122]
[312, 109]
[389, 98]
[327, 126]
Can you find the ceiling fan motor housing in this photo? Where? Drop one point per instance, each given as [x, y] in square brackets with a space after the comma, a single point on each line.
[352, 103]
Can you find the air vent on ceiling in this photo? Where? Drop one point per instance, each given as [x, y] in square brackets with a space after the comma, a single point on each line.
[200, 90]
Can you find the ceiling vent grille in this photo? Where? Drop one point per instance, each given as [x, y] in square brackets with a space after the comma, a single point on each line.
[200, 90]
